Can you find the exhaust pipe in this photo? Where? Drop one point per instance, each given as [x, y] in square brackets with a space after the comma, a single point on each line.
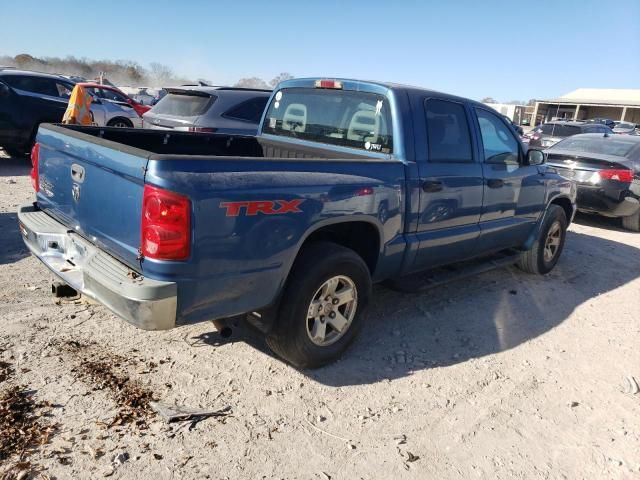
[223, 328]
[62, 290]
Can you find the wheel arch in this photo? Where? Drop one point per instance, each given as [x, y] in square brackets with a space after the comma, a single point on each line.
[122, 119]
[358, 233]
[560, 200]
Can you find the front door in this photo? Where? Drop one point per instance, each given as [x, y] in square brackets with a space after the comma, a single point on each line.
[514, 192]
[451, 184]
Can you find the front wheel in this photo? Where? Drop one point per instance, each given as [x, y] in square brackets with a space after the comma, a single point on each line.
[546, 250]
[323, 305]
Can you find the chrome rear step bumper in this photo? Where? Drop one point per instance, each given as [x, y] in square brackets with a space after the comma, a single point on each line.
[146, 303]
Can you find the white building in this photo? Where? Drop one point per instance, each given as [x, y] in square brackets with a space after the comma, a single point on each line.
[586, 103]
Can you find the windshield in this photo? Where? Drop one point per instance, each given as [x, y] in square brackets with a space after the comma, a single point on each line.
[607, 146]
[337, 117]
[183, 105]
[625, 125]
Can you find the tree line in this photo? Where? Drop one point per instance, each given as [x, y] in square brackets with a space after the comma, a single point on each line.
[123, 72]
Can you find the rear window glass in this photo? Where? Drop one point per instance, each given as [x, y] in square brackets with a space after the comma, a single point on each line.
[181, 105]
[602, 145]
[249, 111]
[556, 130]
[337, 117]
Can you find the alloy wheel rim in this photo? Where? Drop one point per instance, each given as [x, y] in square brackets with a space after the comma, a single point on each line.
[332, 310]
[552, 242]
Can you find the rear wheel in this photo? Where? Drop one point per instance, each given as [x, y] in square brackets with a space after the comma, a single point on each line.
[632, 222]
[323, 305]
[546, 250]
[120, 123]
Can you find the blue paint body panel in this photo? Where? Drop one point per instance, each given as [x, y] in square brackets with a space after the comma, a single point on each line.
[240, 263]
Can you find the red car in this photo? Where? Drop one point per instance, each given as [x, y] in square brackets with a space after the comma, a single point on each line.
[108, 92]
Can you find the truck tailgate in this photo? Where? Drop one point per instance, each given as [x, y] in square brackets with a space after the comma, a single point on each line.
[94, 187]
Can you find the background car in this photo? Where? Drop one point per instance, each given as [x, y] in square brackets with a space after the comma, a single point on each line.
[113, 94]
[550, 133]
[606, 170]
[227, 110]
[110, 109]
[603, 121]
[28, 99]
[625, 128]
[144, 95]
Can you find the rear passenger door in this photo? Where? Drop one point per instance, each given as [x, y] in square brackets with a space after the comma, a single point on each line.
[514, 193]
[451, 181]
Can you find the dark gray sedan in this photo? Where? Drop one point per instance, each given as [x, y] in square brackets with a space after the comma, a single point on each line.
[606, 169]
[227, 110]
[625, 128]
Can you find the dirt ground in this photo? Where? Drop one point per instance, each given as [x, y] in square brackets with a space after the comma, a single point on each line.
[503, 376]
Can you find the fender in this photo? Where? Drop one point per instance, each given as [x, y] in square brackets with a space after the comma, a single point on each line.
[534, 233]
[265, 319]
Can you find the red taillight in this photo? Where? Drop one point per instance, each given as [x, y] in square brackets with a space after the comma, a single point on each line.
[328, 84]
[361, 192]
[621, 175]
[166, 224]
[35, 159]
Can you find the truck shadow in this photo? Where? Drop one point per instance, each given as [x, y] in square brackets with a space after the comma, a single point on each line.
[469, 319]
[12, 248]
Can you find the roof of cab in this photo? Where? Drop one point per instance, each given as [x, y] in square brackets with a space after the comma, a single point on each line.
[354, 84]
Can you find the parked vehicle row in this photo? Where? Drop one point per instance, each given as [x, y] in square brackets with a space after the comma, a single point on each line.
[347, 183]
[550, 133]
[28, 99]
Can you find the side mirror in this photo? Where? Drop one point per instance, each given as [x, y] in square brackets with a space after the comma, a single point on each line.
[96, 101]
[536, 157]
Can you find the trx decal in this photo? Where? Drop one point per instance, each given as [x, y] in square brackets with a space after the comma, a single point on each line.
[266, 207]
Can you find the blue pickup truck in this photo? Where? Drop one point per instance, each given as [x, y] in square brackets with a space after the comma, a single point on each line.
[347, 183]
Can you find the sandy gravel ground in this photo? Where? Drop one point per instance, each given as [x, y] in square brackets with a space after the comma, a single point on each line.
[502, 376]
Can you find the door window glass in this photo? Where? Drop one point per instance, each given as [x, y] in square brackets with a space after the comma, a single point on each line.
[448, 138]
[64, 89]
[112, 95]
[499, 144]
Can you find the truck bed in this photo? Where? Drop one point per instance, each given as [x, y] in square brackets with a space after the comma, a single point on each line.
[158, 143]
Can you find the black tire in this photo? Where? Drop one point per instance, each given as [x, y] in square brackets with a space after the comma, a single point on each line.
[533, 260]
[632, 222]
[120, 122]
[317, 264]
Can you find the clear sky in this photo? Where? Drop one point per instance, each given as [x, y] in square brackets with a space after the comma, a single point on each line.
[475, 48]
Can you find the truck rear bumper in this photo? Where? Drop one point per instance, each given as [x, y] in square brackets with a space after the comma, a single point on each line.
[146, 303]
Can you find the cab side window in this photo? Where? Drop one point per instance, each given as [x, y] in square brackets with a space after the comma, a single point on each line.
[448, 138]
[499, 144]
